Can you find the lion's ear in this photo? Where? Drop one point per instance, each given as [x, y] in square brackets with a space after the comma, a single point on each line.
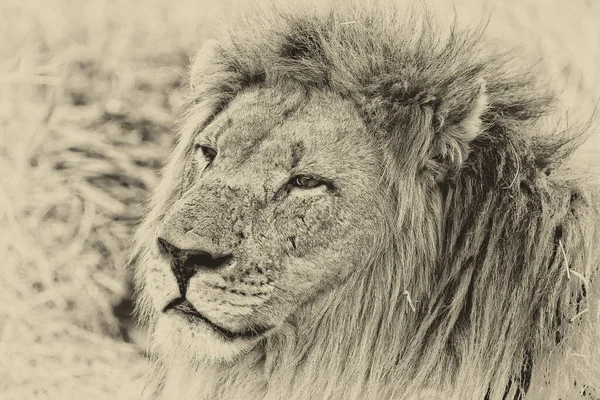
[204, 62]
[457, 127]
[470, 126]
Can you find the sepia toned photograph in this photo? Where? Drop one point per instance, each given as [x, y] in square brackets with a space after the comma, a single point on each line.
[300, 200]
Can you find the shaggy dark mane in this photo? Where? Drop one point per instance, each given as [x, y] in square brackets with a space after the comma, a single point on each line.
[491, 238]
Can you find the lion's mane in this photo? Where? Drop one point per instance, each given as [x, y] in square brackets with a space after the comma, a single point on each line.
[485, 287]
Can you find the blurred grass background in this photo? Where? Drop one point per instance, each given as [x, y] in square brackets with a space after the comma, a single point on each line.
[89, 92]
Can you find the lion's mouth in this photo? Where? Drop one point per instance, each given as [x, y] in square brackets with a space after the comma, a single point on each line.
[183, 306]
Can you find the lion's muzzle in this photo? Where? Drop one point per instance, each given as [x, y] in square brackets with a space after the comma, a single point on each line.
[185, 263]
[204, 274]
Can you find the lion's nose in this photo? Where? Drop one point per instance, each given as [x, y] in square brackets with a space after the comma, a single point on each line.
[185, 263]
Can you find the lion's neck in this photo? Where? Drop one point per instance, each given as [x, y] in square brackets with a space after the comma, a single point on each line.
[198, 381]
[349, 344]
[336, 347]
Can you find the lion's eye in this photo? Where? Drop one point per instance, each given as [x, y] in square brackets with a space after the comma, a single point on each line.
[306, 182]
[208, 152]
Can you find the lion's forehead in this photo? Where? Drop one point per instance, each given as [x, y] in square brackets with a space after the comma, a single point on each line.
[262, 126]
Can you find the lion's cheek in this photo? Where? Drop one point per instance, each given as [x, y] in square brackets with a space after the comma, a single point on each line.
[329, 249]
[305, 226]
[305, 277]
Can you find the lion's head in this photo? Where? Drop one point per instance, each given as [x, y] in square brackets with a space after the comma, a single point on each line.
[360, 209]
[275, 189]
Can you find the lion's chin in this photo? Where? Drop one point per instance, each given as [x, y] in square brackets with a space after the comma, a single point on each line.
[176, 335]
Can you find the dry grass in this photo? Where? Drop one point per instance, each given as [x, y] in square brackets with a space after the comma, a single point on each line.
[88, 95]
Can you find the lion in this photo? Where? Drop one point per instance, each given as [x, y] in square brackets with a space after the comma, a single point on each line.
[362, 207]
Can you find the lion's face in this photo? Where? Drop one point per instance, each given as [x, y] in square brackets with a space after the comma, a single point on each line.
[278, 205]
